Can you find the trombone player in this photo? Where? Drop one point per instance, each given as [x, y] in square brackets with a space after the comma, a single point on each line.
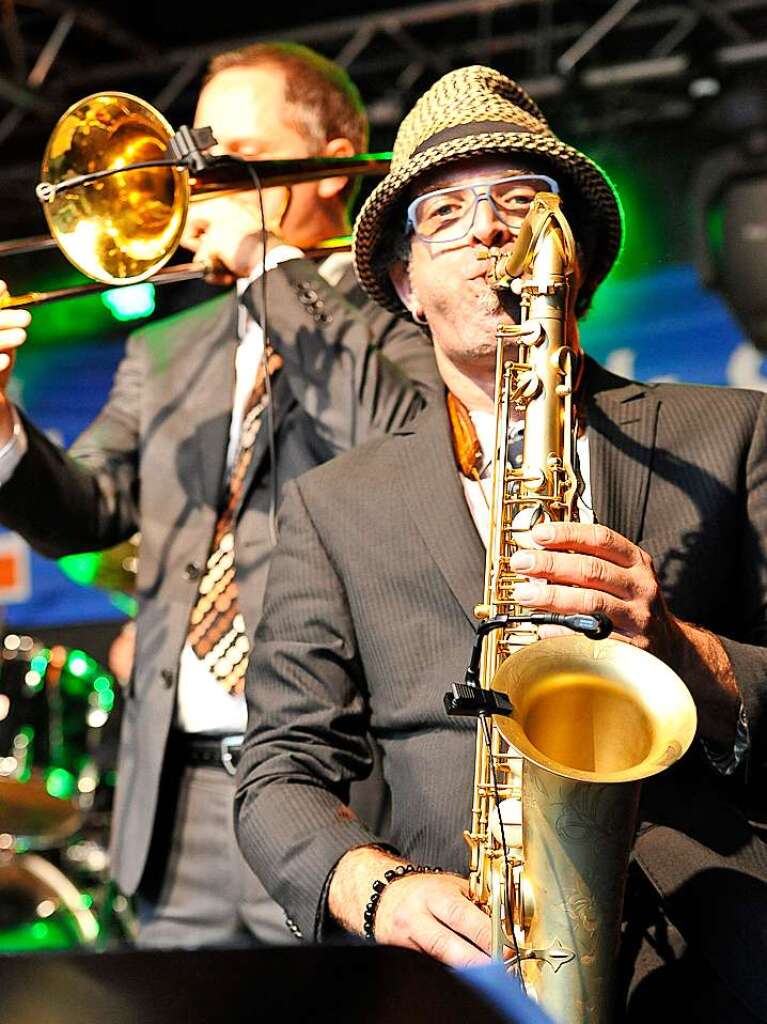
[674, 481]
[184, 452]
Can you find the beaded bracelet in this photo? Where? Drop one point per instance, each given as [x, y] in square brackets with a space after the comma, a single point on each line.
[369, 917]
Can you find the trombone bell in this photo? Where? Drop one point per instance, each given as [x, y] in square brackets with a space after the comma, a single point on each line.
[122, 228]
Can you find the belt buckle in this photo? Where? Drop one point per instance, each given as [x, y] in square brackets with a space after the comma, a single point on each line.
[228, 746]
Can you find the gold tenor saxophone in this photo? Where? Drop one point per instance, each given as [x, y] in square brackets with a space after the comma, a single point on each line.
[558, 771]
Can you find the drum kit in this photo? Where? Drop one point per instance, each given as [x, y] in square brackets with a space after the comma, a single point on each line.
[59, 721]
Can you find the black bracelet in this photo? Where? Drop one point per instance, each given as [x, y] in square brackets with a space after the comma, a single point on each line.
[369, 917]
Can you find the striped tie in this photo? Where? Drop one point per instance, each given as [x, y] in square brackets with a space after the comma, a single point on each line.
[217, 632]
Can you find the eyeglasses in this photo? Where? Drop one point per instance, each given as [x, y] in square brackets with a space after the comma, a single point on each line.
[448, 214]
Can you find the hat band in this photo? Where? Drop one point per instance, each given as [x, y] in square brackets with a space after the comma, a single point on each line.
[463, 131]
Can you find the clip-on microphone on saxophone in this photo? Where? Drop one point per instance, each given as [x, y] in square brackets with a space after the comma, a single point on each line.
[469, 699]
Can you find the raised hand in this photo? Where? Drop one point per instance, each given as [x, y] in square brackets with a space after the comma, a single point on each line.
[227, 235]
[13, 333]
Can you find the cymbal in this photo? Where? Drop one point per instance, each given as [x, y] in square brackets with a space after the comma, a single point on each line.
[32, 817]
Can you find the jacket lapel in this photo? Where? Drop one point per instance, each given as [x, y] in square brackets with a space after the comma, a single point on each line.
[219, 343]
[434, 497]
[339, 273]
[622, 421]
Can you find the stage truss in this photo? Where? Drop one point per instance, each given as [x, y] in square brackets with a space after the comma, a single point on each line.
[598, 66]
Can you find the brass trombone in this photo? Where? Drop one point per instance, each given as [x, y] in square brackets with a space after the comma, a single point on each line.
[118, 183]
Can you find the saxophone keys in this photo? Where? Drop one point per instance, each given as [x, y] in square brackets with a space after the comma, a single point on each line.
[556, 955]
[506, 824]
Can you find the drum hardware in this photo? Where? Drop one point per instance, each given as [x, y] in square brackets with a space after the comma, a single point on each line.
[40, 908]
[57, 712]
[57, 702]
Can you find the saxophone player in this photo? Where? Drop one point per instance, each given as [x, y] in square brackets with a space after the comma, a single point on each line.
[368, 611]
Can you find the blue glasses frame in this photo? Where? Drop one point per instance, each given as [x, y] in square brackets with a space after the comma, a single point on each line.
[480, 192]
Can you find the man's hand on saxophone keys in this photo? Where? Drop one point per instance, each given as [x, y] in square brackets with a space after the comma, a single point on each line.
[587, 568]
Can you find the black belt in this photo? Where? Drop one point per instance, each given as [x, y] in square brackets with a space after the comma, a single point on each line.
[202, 751]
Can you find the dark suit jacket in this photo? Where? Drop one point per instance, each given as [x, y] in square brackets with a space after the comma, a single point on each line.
[154, 460]
[368, 615]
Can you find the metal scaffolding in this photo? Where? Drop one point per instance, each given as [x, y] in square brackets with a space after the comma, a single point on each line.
[608, 65]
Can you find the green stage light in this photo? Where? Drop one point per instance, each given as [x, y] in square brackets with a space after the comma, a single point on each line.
[60, 783]
[81, 568]
[131, 303]
[78, 663]
[125, 603]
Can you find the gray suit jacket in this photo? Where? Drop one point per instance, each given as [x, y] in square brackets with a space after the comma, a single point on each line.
[154, 460]
[368, 616]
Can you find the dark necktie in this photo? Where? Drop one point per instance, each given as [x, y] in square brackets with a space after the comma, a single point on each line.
[217, 631]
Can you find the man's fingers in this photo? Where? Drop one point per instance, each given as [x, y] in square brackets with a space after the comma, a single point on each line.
[435, 914]
[575, 570]
[461, 916]
[572, 600]
[14, 319]
[432, 937]
[587, 538]
[12, 338]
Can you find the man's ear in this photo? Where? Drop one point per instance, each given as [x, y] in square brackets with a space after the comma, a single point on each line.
[399, 273]
[327, 188]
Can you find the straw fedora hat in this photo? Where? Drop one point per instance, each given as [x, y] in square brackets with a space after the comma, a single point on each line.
[477, 111]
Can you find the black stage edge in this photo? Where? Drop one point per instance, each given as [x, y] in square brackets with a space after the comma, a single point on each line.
[345, 985]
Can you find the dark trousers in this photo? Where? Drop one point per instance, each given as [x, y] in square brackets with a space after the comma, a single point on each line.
[198, 890]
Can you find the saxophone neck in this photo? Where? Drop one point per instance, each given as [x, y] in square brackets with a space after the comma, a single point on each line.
[544, 255]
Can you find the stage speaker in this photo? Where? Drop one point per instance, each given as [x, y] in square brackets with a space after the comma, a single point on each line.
[730, 237]
[743, 272]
